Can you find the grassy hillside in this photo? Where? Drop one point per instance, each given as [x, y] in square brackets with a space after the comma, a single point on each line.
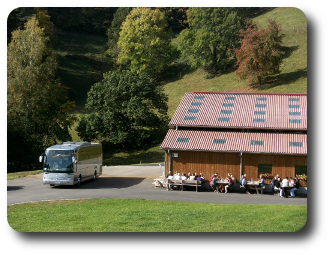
[82, 63]
[293, 76]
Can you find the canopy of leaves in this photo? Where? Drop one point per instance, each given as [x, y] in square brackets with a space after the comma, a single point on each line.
[125, 108]
[144, 42]
[211, 33]
[113, 32]
[260, 55]
[37, 107]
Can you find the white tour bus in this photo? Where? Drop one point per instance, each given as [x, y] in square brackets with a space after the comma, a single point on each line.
[71, 163]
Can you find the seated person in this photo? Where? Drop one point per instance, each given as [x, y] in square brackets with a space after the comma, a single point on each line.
[183, 176]
[230, 184]
[261, 182]
[200, 177]
[277, 186]
[244, 185]
[214, 184]
[169, 177]
[56, 166]
[295, 187]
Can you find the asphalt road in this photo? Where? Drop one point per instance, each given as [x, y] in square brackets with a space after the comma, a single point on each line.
[129, 182]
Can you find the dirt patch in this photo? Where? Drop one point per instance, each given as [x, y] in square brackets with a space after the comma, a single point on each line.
[35, 175]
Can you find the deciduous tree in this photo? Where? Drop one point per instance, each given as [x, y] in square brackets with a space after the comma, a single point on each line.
[211, 33]
[125, 108]
[260, 55]
[144, 42]
[37, 107]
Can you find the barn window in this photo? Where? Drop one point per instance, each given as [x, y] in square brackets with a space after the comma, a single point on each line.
[193, 110]
[293, 121]
[259, 120]
[294, 99]
[219, 141]
[196, 103]
[300, 170]
[183, 140]
[228, 105]
[295, 113]
[259, 112]
[294, 106]
[230, 98]
[261, 105]
[265, 168]
[190, 118]
[226, 112]
[296, 144]
[257, 142]
[199, 97]
[224, 119]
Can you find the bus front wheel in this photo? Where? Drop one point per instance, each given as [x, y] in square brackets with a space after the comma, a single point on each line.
[79, 180]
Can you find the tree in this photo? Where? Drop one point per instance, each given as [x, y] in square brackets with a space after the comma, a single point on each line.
[37, 106]
[113, 32]
[260, 55]
[125, 108]
[211, 33]
[144, 42]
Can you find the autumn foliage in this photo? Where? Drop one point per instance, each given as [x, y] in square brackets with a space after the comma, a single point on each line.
[260, 55]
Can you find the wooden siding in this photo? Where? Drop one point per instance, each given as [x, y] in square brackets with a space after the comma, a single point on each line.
[284, 165]
[207, 163]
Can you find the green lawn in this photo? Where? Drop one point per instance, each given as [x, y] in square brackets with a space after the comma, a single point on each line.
[13, 176]
[140, 215]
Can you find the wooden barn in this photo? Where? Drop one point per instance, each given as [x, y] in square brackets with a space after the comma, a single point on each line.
[238, 133]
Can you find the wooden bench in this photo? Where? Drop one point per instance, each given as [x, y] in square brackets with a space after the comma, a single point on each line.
[171, 183]
[182, 183]
[261, 189]
[192, 183]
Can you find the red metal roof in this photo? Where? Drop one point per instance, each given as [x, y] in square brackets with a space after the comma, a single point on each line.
[242, 110]
[235, 142]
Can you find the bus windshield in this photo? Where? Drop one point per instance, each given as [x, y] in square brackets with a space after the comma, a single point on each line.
[60, 161]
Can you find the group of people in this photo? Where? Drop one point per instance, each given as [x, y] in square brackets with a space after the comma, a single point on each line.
[183, 176]
[278, 184]
[243, 183]
[284, 185]
[230, 183]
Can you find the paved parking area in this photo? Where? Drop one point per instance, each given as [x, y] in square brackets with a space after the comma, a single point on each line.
[130, 182]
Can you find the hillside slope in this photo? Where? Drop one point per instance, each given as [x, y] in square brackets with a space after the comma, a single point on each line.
[293, 76]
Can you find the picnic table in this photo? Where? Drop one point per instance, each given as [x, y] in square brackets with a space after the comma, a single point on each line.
[222, 183]
[254, 186]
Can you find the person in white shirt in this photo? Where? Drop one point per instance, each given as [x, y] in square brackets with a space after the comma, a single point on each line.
[183, 176]
[285, 186]
[176, 176]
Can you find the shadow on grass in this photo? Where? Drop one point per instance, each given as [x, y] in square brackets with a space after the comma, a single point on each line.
[281, 79]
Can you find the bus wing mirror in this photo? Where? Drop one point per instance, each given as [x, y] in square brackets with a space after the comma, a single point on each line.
[40, 159]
